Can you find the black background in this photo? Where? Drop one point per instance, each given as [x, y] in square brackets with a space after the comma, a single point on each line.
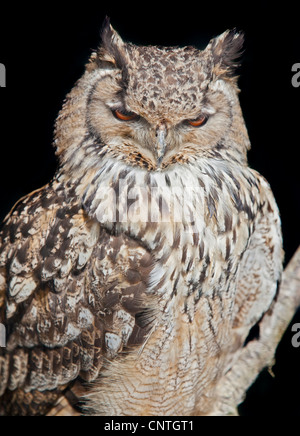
[45, 47]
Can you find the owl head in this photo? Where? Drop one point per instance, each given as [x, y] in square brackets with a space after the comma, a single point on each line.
[154, 107]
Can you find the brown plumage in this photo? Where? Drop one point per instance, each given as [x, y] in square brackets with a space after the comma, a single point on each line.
[129, 282]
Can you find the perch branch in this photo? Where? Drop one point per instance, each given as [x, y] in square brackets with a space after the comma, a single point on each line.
[259, 354]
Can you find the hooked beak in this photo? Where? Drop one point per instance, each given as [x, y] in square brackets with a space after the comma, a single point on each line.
[161, 133]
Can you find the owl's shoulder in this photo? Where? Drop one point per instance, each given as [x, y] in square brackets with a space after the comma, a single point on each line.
[39, 238]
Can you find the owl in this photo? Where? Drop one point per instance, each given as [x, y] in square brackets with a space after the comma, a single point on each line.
[129, 283]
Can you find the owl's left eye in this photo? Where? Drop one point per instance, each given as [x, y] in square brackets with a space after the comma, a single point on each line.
[124, 115]
[200, 121]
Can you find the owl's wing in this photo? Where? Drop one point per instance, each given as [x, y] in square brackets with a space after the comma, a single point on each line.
[260, 269]
[71, 296]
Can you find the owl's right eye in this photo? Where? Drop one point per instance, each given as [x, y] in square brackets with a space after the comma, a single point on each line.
[124, 115]
[198, 122]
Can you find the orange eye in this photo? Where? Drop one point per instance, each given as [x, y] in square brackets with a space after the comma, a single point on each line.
[125, 116]
[198, 121]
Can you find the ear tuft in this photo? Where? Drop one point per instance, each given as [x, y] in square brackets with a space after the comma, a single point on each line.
[112, 43]
[107, 34]
[112, 52]
[226, 50]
